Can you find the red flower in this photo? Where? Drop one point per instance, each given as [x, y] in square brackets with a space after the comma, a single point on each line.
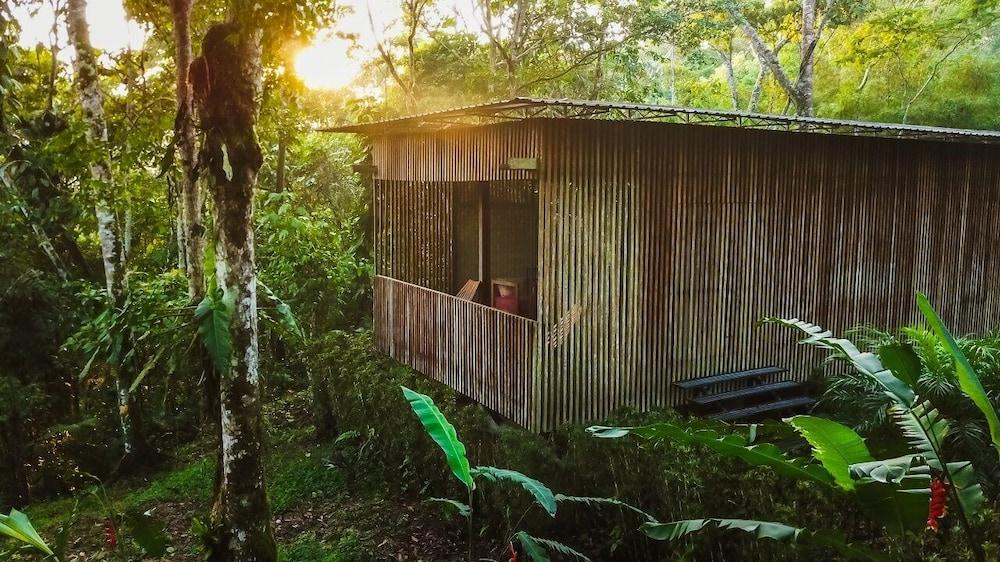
[513, 553]
[110, 535]
[939, 503]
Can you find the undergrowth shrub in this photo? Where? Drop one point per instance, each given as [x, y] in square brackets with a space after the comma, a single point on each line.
[294, 476]
[384, 448]
[307, 548]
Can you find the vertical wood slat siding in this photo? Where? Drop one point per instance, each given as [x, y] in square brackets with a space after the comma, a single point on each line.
[674, 240]
[661, 245]
[482, 352]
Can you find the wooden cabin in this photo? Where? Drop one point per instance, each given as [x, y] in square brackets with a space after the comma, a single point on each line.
[557, 259]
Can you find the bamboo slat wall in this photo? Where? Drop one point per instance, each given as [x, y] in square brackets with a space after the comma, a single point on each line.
[482, 352]
[418, 179]
[661, 245]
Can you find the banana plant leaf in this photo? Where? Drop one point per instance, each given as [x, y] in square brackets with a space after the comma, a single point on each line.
[542, 494]
[443, 433]
[834, 445]
[968, 381]
[763, 454]
[538, 549]
[900, 508]
[760, 530]
[865, 362]
[596, 501]
[17, 526]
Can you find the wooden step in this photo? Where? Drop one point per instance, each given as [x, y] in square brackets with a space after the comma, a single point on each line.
[703, 382]
[769, 407]
[749, 392]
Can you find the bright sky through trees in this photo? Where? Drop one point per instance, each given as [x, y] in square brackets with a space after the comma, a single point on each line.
[331, 62]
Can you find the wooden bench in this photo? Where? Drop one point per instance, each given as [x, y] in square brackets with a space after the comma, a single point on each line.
[749, 392]
[753, 375]
[754, 396]
[788, 405]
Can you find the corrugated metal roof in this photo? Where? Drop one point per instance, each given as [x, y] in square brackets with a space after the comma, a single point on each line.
[518, 109]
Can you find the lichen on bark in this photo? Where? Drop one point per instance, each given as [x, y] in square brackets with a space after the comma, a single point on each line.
[226, 94]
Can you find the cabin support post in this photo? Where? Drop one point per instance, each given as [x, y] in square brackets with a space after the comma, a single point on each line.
[484, 239]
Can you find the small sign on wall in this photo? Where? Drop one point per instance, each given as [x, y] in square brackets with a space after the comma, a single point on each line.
[522, 163]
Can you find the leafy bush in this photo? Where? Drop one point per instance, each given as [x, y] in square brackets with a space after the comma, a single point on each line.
[903, 494]
[856, 400]
[385, 447]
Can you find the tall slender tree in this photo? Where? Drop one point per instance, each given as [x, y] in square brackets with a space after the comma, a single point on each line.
[113, 253]
[192, 200]
[226, 83]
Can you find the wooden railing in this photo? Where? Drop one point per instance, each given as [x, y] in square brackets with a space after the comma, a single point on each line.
[482, 352]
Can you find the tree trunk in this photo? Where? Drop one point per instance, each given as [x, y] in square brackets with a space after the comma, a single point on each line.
[727, 65]
[112, 249]
[227, 109]
[192, 202]
[807, 50]
[191, 199]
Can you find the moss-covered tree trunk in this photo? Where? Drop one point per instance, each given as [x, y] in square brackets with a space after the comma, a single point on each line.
[112, 249]
[226, 92]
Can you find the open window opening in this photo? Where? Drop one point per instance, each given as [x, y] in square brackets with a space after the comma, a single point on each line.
[496, 244]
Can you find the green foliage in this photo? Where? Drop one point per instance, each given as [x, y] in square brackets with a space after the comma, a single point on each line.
[763, 454]
[967, 378]
[213, 316]
[296, 477]
[192, 482]
[443, 433]
[834, 445]
[538, 549]
[895, 491]
[17, 526]
[307, 548]
[542, 494]
[148, 532]
[759, 530]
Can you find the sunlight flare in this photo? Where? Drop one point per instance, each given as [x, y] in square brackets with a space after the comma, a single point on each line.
[327, 64]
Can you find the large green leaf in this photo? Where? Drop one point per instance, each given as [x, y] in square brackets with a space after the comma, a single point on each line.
[542, 494]
[759, 530]
[213, 317]
[835, 445]
[899, 507]
[968, 381]
[592, 502]
[538, 549]
[865, 363]
[889, 471]
[763, 454]
[18, 527]
[924, 429]
[460, 508]
[443, 433]
[902, 361]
